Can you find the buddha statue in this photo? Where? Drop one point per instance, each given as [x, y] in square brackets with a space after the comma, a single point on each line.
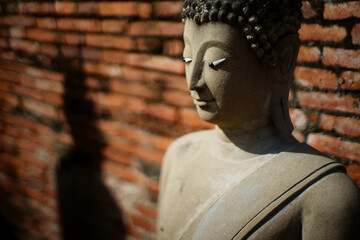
[248, 178]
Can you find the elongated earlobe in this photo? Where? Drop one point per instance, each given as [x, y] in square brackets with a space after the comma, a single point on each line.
[287, 52]
[279, 109]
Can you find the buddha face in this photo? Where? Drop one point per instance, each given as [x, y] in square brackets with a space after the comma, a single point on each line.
[230, 87]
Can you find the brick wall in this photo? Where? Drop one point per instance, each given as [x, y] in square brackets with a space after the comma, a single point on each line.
[92, 93]
[325, 106]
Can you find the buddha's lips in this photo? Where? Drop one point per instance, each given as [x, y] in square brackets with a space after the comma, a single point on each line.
[202, 102]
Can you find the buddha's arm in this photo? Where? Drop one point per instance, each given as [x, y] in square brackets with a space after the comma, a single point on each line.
[331, 209]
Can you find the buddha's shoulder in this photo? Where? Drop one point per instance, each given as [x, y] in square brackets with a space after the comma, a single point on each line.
[340, 191]
[188, 142]
[336, 198]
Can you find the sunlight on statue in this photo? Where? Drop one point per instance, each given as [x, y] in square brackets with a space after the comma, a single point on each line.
[249, 178]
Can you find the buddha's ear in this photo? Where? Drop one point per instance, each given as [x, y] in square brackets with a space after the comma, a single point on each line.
[287, 49]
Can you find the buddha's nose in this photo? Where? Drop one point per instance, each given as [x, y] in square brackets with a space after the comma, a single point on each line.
[196, 80]
[197, 83]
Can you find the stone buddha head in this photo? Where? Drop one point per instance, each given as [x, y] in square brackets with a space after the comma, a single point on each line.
[240, 57]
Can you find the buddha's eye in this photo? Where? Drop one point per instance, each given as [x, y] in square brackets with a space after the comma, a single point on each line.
[215, 63]
[187, 60]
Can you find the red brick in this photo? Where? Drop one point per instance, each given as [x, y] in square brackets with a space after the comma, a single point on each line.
[27, 92]
[148, 44]
[355, 34]
[312, 77]
[18, 122]
[337, 11]
[40, 108]
[93, 83]
[91, 53]
[307, 10]
[163, 79]
[37, 7]
[72, 38]
[17, 32]
[147, 210]
[108, 70]
[31, 71]
[156, 62]
[12, 131]
[85, 25]
[155, 28]
[132, 89]
[117, 101]
[350, 80]
[298, 118]
[49, 49]
[167, 9]
[327, 122]
[116, 156]
[153, 186]
[173, 47]
[299, 136]
[347, 126]
[190, 118]
[26, 145]
[309, 54]
[88, 8]
[64, 138]
[10, 99]
[49, 23]
[3, 43]
[315, 32]
[4, 32]
[343, 57]
[114, 26]
[328, 101]
[41, 35]
[8, 55]
[341, 125]
[33, 161]
[142, 222]
[162, 111]
[24, 45]
[47, 74]
[34, 194]
[146, 154]
[135, 134]
[354, 173]
[107, 41]
[70, 51]
[9, 76]
[65, 8]
[126, 9]
[335, 146]
[5, 86]
[20, 20]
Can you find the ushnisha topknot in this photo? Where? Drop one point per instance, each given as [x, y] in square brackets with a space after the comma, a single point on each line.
[263, 22]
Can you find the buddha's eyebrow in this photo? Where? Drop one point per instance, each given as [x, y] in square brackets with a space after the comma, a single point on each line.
[208, 44]
[212, 43]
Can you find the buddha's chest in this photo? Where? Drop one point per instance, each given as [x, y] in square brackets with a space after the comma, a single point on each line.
[194, 187]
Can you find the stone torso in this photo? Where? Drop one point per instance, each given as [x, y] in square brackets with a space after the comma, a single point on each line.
[193, 182]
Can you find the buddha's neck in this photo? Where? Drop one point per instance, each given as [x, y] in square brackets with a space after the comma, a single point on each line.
[258, 141]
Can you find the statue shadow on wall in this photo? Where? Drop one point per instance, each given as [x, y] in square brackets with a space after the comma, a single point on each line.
[9, 213]
[86, 207]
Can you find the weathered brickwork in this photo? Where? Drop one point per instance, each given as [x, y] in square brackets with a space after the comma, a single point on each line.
[327, 82]
[93, 92]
